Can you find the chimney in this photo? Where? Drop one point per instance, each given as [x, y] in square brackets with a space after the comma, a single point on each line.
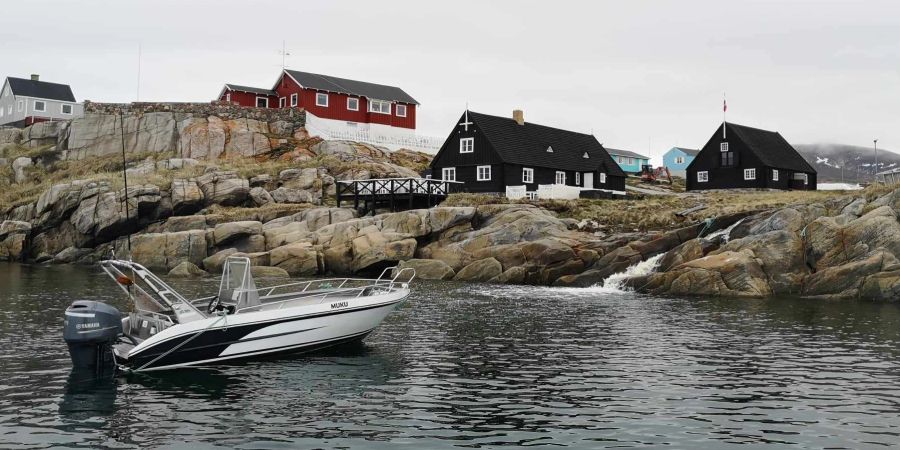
[519, 116]
[35, 77]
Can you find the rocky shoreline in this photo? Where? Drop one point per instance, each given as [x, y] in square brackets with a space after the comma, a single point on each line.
[187, 211]
[844, 248]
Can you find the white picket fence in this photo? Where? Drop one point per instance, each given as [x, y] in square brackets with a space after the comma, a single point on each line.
[428, 144]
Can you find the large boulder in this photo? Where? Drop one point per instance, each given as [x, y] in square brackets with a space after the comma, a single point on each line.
[215, 262]
[106, 215]
[374, 246]
[268, 272]
[845, 280]
[201, 138]
[224, 188]
[427, 269]
[781, 255]
[187, 197]
[13, 237]
[298, 259]
[292, 195]
[481, 270]
[18, 166]
[260, 196]
[224, 233]
[101, 134]
[246, 137]
[186, 269]
[728, 274]
[164, 251]
[883, 286]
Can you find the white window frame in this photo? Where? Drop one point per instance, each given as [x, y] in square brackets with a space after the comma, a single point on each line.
[282, 102]
[630, 161]
[258, 98]
[62, 109]
[487, 173]
[354, 99]
[577, 178]
[527, 175]
[467, 145]
[774, 174]
[749, 174]
[602, 177]
[448, 174]
[381, 106]
[295, 100]
[723, 147]
[559, 173]
[679, 160]
[228, 97]
[321, 95]
[43, 107]
[20, 105]
[398, 107]
[702, 176]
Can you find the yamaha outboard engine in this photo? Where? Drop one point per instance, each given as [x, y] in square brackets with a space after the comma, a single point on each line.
[91, 328]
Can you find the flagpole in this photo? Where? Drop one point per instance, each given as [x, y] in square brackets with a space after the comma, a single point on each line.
[724, 110]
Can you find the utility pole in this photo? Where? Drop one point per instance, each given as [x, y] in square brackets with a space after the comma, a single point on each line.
[874, 174]
[284, 55]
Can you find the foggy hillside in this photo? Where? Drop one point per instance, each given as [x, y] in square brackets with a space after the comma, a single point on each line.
[828, 159]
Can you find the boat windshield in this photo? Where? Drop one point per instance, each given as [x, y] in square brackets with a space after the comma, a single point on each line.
[237, 286]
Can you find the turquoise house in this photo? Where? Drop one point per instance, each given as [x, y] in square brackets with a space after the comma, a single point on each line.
[677, 160]
[630, 162]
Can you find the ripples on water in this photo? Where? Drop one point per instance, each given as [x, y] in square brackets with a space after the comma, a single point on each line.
[480, 366]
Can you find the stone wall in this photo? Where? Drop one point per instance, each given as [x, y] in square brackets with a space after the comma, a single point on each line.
[223, 110]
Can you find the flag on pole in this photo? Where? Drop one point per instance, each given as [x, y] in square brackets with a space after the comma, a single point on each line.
[724, 105]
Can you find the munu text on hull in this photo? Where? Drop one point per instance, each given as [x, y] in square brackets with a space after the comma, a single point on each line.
[165, 331]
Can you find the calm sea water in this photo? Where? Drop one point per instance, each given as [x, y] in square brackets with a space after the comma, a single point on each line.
[462, 366]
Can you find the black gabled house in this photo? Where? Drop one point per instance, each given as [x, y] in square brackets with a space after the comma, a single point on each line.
[738, 156]
[490, 153]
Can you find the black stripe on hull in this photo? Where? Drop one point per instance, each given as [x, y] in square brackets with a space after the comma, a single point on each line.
[261, 354]
[211, 343]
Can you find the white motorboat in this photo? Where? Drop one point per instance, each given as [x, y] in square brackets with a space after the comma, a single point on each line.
[164, 330]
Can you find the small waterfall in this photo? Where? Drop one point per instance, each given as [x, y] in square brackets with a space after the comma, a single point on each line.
[616, 281]
[724, 232]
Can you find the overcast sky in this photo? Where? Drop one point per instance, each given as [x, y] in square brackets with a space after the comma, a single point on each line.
[639, 74]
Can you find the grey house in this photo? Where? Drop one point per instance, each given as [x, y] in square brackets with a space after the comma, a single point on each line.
[26, 101]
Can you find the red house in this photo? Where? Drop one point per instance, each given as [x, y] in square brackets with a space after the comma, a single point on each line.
[333, 103]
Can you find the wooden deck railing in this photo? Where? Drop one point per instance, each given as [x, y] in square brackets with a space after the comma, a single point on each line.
[396, 191]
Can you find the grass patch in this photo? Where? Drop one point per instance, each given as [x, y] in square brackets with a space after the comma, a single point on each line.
[659, 212]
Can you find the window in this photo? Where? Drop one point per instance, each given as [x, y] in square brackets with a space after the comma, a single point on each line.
[560, 177]
[228, 96]
[585, 155]
[577, 178]
[9, 110]
[602, 177]
[723, 147]
[401, 110]
[621, 160]
[802, 176]
[467, 145]
[65, 109]
[295, 99]
[20, 105]
[322, 99]
[527, 175]
[531, 195]
[550, 149]
[727, 159]
[630, 161]
[448, 173]
[379, 106]
[282, 102]
[774, 174]
[40, 106]
[679, 160]
[1, 111]
[262, 102]
[749, 174]
[352, 104]
[484, 173]
[702, 177]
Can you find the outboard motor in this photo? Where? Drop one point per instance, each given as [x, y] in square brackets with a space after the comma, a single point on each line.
[91, 328]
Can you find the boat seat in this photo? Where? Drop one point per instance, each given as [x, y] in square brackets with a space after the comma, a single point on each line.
[143, 327]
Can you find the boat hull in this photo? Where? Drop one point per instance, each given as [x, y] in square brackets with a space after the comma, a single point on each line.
[265, 333]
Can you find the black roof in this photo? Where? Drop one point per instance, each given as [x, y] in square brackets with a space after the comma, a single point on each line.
[618, 152]
[771, 148]
[41, 89]
[252, 90]
[527, 145]
[353, 87]
[689, 151]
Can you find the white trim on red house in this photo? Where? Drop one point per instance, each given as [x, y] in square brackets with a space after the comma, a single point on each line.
[264, 97]
[348, 104]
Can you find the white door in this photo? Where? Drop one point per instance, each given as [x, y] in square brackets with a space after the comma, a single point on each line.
[589, 180]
